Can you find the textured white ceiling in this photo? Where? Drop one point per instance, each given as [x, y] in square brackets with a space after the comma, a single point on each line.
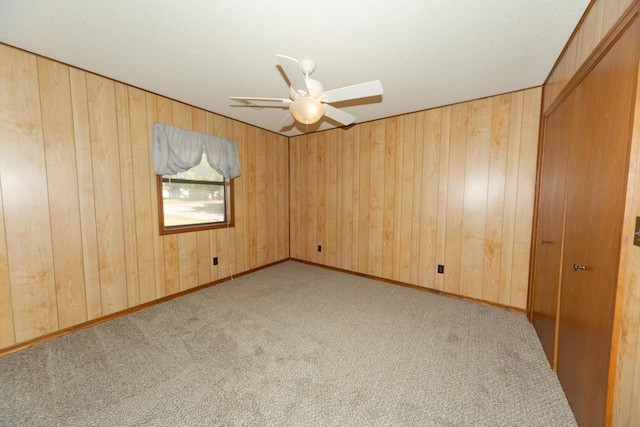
[426, 53]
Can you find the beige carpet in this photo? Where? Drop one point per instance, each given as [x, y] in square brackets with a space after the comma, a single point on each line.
[292, 345]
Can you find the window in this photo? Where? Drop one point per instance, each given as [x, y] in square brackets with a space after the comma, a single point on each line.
[197, 199]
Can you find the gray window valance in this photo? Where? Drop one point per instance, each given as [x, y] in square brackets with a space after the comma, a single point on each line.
[177, 150]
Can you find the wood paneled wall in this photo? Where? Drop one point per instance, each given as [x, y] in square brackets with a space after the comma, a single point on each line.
[599, 19]
[394, 198]
[603, 16]
[79, 233]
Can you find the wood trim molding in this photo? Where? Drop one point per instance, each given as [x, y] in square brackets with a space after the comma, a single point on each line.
[570, 39]
[598, 53]
[57, 334]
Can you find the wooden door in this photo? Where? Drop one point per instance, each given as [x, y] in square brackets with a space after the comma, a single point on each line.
[596, 180]
[550, 227]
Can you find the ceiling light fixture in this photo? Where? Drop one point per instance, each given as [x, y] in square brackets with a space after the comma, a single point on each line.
[306, 110]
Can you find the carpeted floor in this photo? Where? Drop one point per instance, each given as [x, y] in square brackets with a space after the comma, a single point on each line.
[295, 345]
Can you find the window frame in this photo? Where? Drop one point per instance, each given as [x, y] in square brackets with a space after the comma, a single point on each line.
[229, 207]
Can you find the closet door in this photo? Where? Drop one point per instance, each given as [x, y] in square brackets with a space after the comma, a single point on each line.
[596, 181]
[550, 227]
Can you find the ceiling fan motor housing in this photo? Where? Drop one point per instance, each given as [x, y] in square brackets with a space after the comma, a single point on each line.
[307, 66]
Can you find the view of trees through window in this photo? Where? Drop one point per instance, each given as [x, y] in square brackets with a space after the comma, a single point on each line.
[195, 197]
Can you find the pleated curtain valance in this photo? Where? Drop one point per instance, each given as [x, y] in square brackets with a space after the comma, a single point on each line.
[177, 150]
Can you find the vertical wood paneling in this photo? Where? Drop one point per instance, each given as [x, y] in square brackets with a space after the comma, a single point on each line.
[144, 210]
[495, 197]
[475, 197]
[311, 184]
[251, 244]
[397, 214]
[187, 260]
[269, 198]
[450, 186]
[87, 208]
[158, 242]
[260, 196]
[376, 197]
[389, 196]
[103, 125]
[239, 199]
[443, 173]
[431, 200]
[126, 182]
[416, 212]
[321, 206]
[7, 335]
[283, 198]
[62, 181]
[407, 209]
[525, 200]
[338, 190]
[599, 19]
[455, 197]
[347, 234]
[364, 147]
[354, 140]
[79, 234]
[25, 198]
[510, 196]
[332, 202]
[305, 195]
[294, 197]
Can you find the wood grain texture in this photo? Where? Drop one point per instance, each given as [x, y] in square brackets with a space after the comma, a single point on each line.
[158, 247]
[126, 182]
[476, 183]
[450, 186]
[62, 179]
[7, 333]
[594, 211]
[429, 188]
[550, 227]
[626, 390]
[624, 378]
[442, 171]
[498, 153]
[80, 237]
[25, 198]
[364, 175]
[455, 198]
[239, 200]
[599, 19]
[84, 165]
[144, 209]
[376, 198]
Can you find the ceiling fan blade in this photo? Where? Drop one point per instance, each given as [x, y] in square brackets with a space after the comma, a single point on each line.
[291, 68]
[248, 98]
[338, 115]
[287, 121]
[361, 90]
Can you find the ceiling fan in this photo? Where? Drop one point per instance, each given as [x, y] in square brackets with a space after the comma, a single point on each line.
[308, 101]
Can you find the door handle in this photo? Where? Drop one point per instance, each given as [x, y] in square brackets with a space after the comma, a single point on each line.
[545, 242]
[579, 267]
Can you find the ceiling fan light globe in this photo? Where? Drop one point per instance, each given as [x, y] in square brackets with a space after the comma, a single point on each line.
[306, 110]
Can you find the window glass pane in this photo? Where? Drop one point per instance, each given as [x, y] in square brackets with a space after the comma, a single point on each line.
[192, 204]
